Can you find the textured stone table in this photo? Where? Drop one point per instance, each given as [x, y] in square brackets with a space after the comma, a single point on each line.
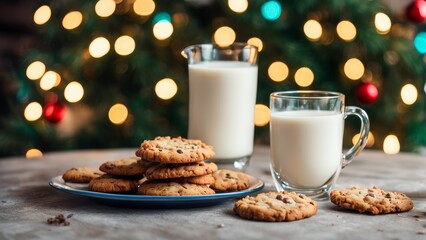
[26, 202]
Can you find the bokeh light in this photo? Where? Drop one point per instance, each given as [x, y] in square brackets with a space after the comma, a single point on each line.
[99, 47]
[105, 8]
[224, 36]
[391, 144]
[238, 6]
[370, 140]
[256, 42]
[261, 115]
[162, 16]
[271, 10]
[144, 7]
[304, 77]
[166, 88]
[118, 113]
[354, 69]
[33, 153]
[73, 92]
[278, 71]
[49, 80]
[124, 45]
[72, 20]
[33, 111]
[383, 23]
[409, 94]
[35, 70]
[42, 15]
[162, 30]
[312, 30]
[346, 30]
[420, 42]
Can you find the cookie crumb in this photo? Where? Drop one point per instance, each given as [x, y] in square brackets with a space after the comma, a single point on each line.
[3, 201]
[70, 215]
[421, 233]
[221, 225]
[58, 220]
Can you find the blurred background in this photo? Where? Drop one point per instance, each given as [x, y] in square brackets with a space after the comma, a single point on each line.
[109, 73]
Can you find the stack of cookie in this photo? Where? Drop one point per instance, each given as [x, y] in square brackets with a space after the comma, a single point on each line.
[165, 166]
[179, 167]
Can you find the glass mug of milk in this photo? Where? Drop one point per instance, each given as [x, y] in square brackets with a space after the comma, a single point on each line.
[222, 97]
[306, 137]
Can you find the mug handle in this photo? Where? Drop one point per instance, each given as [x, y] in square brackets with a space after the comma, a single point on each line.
[363, 134]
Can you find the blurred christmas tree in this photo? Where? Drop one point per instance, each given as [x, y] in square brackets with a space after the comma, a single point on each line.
[110, 74]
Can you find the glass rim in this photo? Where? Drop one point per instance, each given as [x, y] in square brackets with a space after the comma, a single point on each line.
[307, 94]
[222, 46]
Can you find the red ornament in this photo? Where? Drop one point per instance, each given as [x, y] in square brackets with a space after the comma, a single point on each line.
[416, 11]
[54, 112]
[367, 93]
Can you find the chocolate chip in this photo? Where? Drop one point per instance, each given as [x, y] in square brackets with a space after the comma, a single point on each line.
[279, 197]
[179, 151]
[370, 195]
[388, 195]
[301, 196]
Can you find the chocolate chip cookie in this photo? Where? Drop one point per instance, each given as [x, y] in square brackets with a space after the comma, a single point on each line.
[109, 184]
[131, 166]
[228, 180]
[169, 150]
[276, 207]
[371, 200]
[160, 188]
[81, 174]
[166, 171]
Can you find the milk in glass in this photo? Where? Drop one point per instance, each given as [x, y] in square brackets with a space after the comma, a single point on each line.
[222, 97]
[306, 146]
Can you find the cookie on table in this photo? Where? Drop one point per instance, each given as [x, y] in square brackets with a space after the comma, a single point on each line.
[131, 166]
[162, 188]
[228, 180]
[167, 171]
[109, 184]
[276, 207]
[169, 150]
[371, 200]
[81, 174]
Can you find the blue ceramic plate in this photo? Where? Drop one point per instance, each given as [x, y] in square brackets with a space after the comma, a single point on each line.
[154, 201]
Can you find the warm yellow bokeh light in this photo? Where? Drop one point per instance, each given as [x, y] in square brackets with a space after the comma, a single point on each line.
[105, 8]
[166, 88]
[124, 45]
[118, 114]
[35, 70]
[224, 36]
[391, 144]
[99, 47]
[42, 15]
[73, 92]
[304, 77]
[72, 20]
[238, 6]
[256, 42]
[409, 94]
[278, 71]
[383, 23]
[312, 30]
[144, 7]
[49, 80]
[33, 153]
[33, 111]
[354, 69]
[370, 140]
[162, 30]
[346, 30]
[261, 115]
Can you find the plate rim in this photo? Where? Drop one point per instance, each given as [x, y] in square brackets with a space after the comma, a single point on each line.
[59, 184]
